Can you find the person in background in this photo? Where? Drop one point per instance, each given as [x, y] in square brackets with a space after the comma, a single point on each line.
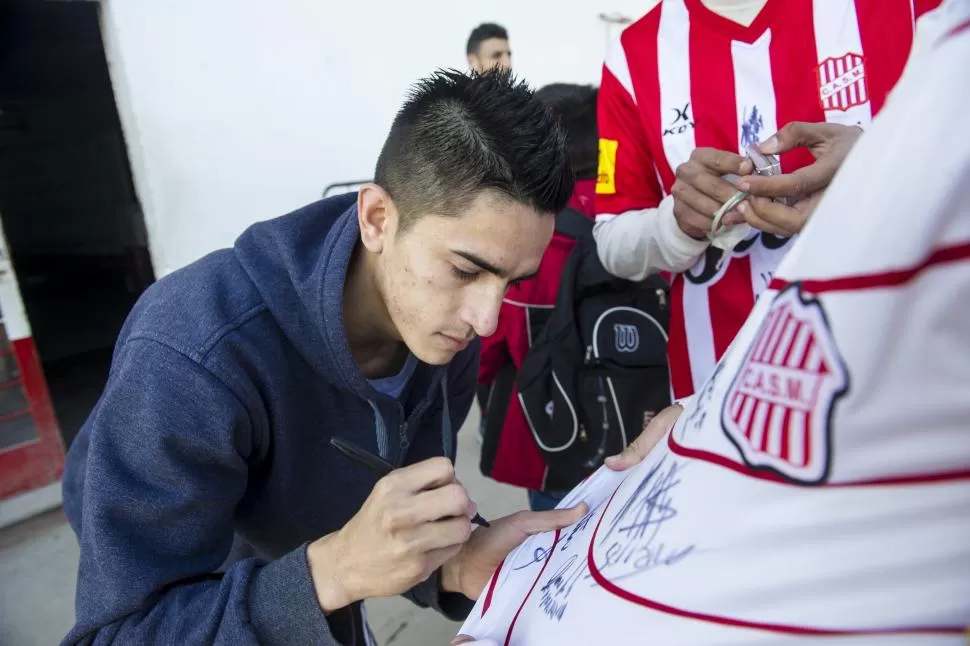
[488, 47]
[693, 83]
[511, 453]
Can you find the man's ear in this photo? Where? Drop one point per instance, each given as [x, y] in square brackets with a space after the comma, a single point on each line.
[376, 215]
[473, 62]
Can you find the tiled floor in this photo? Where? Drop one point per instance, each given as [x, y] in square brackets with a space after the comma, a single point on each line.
[38, 569]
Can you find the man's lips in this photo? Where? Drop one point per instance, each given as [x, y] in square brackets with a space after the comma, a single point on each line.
[457, 342]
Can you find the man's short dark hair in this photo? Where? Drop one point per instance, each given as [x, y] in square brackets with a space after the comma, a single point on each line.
[482, 33]
[575, 105]
[460, 134]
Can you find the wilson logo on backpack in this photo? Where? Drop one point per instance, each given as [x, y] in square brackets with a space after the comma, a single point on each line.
[627, 337]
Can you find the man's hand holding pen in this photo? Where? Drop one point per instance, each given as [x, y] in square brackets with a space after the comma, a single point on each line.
[416, 520]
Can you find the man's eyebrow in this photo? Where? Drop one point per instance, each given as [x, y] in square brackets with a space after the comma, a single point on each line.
[482, 263]
[489, 267]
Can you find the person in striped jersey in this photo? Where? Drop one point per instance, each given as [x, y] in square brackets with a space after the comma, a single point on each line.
[693, 83]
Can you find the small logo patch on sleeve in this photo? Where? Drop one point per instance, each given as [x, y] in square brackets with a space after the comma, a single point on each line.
[606, 174]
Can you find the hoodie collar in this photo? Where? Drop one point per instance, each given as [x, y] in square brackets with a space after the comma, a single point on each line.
[335, 261]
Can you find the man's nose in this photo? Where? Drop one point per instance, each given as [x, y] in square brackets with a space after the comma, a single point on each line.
[481, 312]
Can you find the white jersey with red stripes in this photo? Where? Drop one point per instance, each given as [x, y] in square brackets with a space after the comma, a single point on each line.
[684, 77]
[817, 488]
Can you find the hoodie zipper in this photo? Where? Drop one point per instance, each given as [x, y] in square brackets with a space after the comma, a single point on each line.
[402, 430]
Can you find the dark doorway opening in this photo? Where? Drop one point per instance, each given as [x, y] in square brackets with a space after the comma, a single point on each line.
[72, 220]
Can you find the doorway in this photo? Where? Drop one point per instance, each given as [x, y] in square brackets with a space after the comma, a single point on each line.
[73, 224]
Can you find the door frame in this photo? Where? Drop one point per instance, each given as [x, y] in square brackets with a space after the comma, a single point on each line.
[30, 472]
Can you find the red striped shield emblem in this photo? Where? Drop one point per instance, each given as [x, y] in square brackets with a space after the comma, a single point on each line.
[778, 409]
[842, 82]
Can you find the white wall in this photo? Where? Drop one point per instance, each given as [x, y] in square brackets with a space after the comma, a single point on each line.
[240, 110]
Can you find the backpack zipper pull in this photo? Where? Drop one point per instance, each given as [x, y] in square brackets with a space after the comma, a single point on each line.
[662, 297]
[589, 355]
[601, 398]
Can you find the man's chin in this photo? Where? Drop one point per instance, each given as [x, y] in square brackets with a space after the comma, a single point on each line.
[437, 350]
[435, 356]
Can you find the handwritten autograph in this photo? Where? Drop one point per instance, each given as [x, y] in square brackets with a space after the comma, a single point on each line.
[634, 543]
[540, 554]
[633, 540]
[695, 418]
[554, 595]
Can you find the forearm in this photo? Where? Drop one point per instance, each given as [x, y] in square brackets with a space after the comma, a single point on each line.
[252, 603]
[330, 586]
[334, 585]
[637, 244]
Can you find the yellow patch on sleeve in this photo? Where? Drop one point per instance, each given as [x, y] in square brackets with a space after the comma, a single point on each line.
[606, 173]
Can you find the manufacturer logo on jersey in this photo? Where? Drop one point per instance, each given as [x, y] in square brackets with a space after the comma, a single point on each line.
[682, 121]
[606, 174]
[778, 409]
[751, 128]
[627, 337]
[842, 82]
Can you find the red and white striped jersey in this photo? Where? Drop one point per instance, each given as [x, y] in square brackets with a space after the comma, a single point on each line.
[684, 77]
[816, 490]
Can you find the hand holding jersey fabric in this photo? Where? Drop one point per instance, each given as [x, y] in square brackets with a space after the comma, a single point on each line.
[652, 433]
[489, 546]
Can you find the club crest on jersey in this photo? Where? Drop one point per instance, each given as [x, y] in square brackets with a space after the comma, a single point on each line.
[778, 409]
[842, 82]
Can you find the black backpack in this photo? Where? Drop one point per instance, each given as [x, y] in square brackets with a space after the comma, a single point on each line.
[597, 369]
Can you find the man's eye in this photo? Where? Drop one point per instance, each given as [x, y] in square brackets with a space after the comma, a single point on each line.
[463, 275]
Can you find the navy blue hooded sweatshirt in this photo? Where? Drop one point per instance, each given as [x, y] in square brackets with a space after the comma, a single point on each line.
[229, 378]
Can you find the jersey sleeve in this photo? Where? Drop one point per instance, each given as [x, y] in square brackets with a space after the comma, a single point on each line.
[636, 232]
[923, 7]
[626, 179]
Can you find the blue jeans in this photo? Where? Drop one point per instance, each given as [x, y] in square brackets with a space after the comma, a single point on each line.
[544, 501]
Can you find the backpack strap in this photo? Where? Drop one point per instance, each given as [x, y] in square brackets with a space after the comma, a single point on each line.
[574, 224]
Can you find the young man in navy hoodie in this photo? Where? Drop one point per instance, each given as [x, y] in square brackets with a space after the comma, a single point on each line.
[353, 318]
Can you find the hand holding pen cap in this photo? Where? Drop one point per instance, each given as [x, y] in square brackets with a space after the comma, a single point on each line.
[782, 203]
[727, 232]
[379, 466]
[700, 189]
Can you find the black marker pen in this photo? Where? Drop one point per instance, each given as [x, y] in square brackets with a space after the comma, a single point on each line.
[378, 465]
